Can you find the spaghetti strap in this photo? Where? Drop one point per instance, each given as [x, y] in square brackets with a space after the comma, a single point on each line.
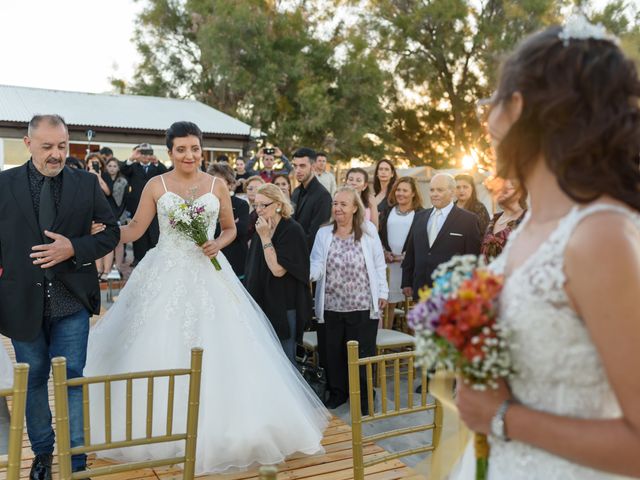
[163, 184]
[212, 184]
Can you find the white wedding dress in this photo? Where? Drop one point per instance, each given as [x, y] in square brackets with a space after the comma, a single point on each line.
[254, 406]
[559, 369]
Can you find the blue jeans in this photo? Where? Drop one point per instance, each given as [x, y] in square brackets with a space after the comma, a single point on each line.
[289, 344]
[67, 337]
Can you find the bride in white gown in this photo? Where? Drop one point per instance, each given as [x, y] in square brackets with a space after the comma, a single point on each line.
[565, 120]
[254, 406]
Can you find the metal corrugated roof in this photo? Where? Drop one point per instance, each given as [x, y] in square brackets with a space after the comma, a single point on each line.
[19, 104]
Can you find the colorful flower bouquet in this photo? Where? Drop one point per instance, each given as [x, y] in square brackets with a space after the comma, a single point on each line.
[456, 330]
[192, 220]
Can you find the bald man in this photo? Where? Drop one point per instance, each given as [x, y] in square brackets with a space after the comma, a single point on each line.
[438, 234]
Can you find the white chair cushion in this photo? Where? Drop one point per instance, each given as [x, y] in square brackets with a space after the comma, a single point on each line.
[393, 337]
[310, 340]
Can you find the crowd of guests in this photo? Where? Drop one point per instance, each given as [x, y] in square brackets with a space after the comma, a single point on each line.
[359, 248]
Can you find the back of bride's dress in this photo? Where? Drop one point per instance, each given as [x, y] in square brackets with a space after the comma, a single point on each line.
[559, 369]
[254, 407]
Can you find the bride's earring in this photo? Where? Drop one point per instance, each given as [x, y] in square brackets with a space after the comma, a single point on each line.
[278, 210]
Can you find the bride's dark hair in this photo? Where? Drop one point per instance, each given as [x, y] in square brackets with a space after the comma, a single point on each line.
[581, 111]
[182, 129]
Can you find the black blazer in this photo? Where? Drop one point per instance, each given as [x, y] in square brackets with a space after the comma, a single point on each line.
[22, 282]
[137, 180]
[312, 210]
[384, 233]
[236, 251]
[459, 235]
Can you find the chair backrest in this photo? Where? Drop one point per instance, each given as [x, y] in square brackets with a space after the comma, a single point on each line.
[18, 394]
[61, 385]
[380, 362]
[268, 473]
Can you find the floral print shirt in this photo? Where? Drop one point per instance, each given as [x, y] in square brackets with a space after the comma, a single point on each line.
[347, 286]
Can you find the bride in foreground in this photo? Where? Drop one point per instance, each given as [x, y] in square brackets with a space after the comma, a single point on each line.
[565, 121]
[254, 406]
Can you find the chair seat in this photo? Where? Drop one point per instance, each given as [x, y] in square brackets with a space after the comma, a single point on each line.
[388, 338]
[310, 340]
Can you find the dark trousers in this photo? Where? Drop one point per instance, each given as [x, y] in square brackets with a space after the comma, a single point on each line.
[67, 337]
[340, 328]
[147, 241]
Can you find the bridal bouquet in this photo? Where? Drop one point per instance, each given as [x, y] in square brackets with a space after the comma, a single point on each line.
[192, 221]
[456, 330]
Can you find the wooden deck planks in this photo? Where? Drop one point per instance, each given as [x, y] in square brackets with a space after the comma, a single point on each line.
[336, 463]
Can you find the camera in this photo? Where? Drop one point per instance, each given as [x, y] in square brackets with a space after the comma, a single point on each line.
[96, 166]
[146, 151]
[269, 151]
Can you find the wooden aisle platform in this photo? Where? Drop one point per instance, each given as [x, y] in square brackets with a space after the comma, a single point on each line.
[335, 464]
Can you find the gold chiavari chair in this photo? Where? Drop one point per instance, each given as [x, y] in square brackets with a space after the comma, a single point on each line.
[61, 385]
[357, 420]
[268, 473]
[18, 394]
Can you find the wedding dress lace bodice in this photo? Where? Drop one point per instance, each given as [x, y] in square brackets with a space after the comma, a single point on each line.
[171, 238]
[558, 366]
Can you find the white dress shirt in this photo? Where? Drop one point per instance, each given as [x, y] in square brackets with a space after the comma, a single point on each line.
[444, 213]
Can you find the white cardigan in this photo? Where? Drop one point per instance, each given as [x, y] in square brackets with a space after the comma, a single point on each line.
[373, 258]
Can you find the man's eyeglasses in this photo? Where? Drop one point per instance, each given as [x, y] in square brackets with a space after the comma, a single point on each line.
[262, 206]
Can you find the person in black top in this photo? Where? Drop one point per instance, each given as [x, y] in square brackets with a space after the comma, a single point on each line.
[138, 170]
[312, 200]
[236, 251]
[277, 273]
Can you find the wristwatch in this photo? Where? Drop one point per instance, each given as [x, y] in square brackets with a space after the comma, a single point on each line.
[498, 429]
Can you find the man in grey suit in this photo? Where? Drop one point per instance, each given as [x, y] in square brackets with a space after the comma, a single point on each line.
[438, 234]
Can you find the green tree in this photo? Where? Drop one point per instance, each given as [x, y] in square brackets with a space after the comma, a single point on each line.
[265, 63]
[445, 56]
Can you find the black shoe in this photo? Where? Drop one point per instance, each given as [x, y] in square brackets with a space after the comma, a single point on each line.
[81, 469]
[334, 402]
[41, 467]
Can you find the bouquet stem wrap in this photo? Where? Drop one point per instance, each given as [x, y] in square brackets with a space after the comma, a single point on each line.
[481, 447]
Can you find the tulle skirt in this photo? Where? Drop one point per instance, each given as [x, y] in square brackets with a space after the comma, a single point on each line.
[254, 406]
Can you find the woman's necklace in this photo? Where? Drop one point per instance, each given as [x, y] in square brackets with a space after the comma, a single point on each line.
[504, 219]
[401, 213]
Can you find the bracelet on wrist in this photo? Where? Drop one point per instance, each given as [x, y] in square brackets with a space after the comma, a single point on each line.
[267, 245]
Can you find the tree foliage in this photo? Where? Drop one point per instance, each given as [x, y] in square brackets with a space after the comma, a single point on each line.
[265, 64]
[402, 80]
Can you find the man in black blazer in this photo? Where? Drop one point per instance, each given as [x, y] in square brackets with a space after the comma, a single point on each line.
[138, 170]
[48, 279]
[312, 201]
[437, 234]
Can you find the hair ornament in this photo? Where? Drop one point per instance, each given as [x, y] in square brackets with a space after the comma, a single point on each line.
[578, 27]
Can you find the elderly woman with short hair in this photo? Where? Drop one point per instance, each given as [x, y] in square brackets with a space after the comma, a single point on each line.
[348, 263]
[277, 272]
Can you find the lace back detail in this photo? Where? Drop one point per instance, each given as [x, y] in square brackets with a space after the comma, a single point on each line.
[544, 269]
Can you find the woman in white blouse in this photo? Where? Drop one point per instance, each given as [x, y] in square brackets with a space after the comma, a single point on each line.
[347, 261]
[395, 223]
